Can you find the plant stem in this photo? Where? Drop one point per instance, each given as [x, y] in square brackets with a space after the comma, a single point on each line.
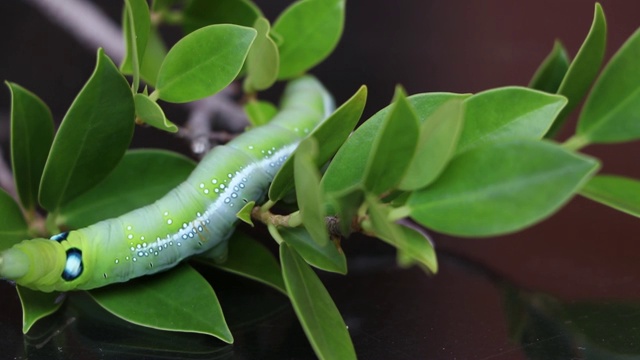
[575, 143]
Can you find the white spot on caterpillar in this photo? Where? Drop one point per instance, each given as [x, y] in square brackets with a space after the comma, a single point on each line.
[206, 191]
[234, 195]
[241, 185]
[139, 246]
[198, 214]
[117, 261]
[190, 235]
[126, 258]
[142, 238]
[184, 225]
[201, 185]
[216, 190]
[227, 200]
[184, 236]
[169, 221]
[129, 227]
[130, 236]
[214, 181]
[140, 253]
[179, 244]
[133, 249]
[134, 259]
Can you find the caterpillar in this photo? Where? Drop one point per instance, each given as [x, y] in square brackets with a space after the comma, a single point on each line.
[197, 216]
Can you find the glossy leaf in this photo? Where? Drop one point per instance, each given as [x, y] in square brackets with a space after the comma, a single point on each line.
[253, 260]
[13, 227]
[36, 305]
[326, 257]
[393, 146]
[584, 68]
[139, 179]
[437, 139]
[149, 112]
[310, 30]
[245, 213]
[161, 302]
[31, 138]
[315, 309]
[203, 62]
[612, 111]
[136, 24]
[101, 117]
[200, 13]
[618, 192]
[347, 168]
[552, 70]
[260, 112]
[528, 181]
[329, 135]
[263, 60]
[506, 113]
[155, 53]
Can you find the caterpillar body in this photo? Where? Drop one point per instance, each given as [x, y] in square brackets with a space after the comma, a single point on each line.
[197, 216]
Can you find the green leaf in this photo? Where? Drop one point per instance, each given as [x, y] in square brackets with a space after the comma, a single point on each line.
[418, 249]
[139, 179]
[315, 309]
[584, 68]
[329, 135]
[437, 139]
[31, 138]
[618, 192]
[13, 227]
[161, 302]
[552, 70]
[253, 260]
[149, 112]
[203, 62]
[200, 13]
[612, 111]
[346, 205]
[501, 188]
[393, 147]
[245, 213]
[260, 112]
[327, 257]
[310, 30]
[136, 24]
[36, 305]
[347, 168]
[308, 192]
[506, 113]
[92, 138]
[263, 60]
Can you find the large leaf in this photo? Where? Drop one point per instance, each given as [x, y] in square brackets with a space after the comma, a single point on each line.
[584, 67]
[327, 257]
[92, 138]
[310, 30]
[330, 135]
[13, 227]
[136, 24]
[506, 113]
[200, 13]
[263, 60]
[203, 62]
[315, 309]
[501, 188]
[140, 179]
[612, 111]
[36, 305]
[618, 192]
[176, 300]
[31, 138]
[552, 70]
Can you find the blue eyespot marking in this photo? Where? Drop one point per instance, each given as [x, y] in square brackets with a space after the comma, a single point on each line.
[73, 267]
[60, 237]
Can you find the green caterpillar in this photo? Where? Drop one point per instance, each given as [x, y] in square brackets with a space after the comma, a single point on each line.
[197, 216]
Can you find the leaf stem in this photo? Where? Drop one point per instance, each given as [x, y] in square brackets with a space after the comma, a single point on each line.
[575, 143]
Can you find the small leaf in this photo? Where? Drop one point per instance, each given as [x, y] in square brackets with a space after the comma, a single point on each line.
[139, 179]
[326, 257]
[136, 26]
[315, 309]
[36, 305]
[308, 192]
[618, 192]
[13, 227]
[31, 138]
[346, 205]
[260, 112]
[418, 249]
[329, 135]
[612, 111]
[393, 146]
[437, 139]
[263, 60]
[552, 70]
[245, 213]
[200, 13]
[204, 62]
[584, 68]
[253, 260]
[310, 30]
[161, 302]
[149, 112]
[92, 138]
[501, 188]
[506, 113]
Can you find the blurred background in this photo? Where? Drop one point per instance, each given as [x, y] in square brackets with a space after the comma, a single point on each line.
[586, 251]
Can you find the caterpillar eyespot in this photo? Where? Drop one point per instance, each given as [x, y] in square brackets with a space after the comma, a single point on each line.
[197, 216]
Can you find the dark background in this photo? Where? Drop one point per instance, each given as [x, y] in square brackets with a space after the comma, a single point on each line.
[585, 252]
